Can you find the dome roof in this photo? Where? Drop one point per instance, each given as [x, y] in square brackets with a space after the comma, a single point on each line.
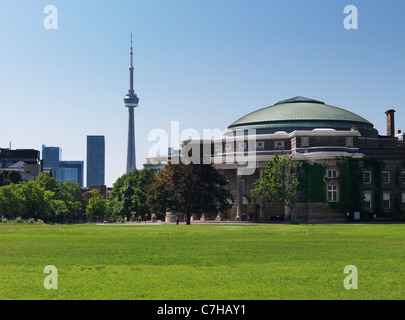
[300, 113]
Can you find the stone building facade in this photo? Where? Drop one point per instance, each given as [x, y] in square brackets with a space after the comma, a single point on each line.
[313, 133]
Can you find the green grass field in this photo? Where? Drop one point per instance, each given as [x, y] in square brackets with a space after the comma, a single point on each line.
[202, 261]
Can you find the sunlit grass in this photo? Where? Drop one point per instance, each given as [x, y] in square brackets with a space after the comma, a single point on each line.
[202, 261]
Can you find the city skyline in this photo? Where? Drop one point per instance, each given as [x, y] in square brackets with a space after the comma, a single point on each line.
[201, 63]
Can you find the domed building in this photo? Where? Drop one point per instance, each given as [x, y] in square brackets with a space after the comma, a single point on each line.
[362, 172]
[301, 113]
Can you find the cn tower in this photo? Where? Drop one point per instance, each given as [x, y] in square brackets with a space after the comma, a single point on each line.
[131, 102]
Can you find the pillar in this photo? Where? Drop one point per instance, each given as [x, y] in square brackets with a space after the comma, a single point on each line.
[239, 208]
[261, 211]
[170, 217]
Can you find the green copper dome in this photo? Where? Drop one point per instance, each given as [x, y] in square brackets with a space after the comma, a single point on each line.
[301, 114]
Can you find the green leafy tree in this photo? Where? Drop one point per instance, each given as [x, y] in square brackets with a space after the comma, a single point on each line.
[189, 189]
[11, 201]
[58, 208]
[128, 195]
[37, 200]
[278, 183]
[48, 183]
[74, 199]
[67, 201]
[10, 177]
[97, 207]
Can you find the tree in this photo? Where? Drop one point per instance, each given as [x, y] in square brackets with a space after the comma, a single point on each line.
[189, 189]
[97, 207]
[37, 200]
[278, 183]
[74, 200]
[128, 195]
[67, 201]
[11, 202]
[58, 208]
[9, 177]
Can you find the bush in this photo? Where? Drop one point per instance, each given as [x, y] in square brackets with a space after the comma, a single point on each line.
[4, 221]
[18, 220]
[31, 220]
[382, 219]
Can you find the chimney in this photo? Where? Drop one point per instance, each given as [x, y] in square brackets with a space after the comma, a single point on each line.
[390, 123]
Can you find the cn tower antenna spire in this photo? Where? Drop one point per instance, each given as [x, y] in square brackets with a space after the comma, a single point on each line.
[131, 61]
[131, 102]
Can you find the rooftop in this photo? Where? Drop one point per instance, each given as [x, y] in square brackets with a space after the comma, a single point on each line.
[301, 113]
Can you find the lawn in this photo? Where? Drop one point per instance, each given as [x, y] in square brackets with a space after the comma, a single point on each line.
[202, 261]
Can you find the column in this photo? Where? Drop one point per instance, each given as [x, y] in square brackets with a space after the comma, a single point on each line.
[261, 211]
[239, 208]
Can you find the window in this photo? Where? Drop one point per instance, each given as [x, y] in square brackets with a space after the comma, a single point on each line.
[332, 173]
[367, 177]
[241, 146]
[332, 193]
[260, 145]
[403, 201]
[385, 177]
[218, 148]
[367, 200]
[304, 142]
[279, 145]
[243, 184]
[386, 201]
[403, 177]
[349, 142]
[228, 147]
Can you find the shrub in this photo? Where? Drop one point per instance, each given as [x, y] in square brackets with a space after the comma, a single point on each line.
[382, 219]
[18, 220]
[4, 221]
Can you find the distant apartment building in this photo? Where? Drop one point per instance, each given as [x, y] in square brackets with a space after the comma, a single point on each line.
[95, 161]
[9, 157]
[25, 161]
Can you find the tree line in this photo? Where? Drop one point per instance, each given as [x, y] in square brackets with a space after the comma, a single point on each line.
[45, 198]
[178, 188]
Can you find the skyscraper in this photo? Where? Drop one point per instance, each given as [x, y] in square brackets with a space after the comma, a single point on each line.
[95, 161]
[52, 157]
[62, 170]
[131, 102]
[72, 171]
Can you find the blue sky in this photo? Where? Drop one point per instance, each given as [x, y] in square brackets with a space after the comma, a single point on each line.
[204, 63]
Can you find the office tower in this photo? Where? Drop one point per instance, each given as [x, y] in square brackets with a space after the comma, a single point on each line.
[72, 171]
[51, 157]
[95, 161]
[62, 170]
